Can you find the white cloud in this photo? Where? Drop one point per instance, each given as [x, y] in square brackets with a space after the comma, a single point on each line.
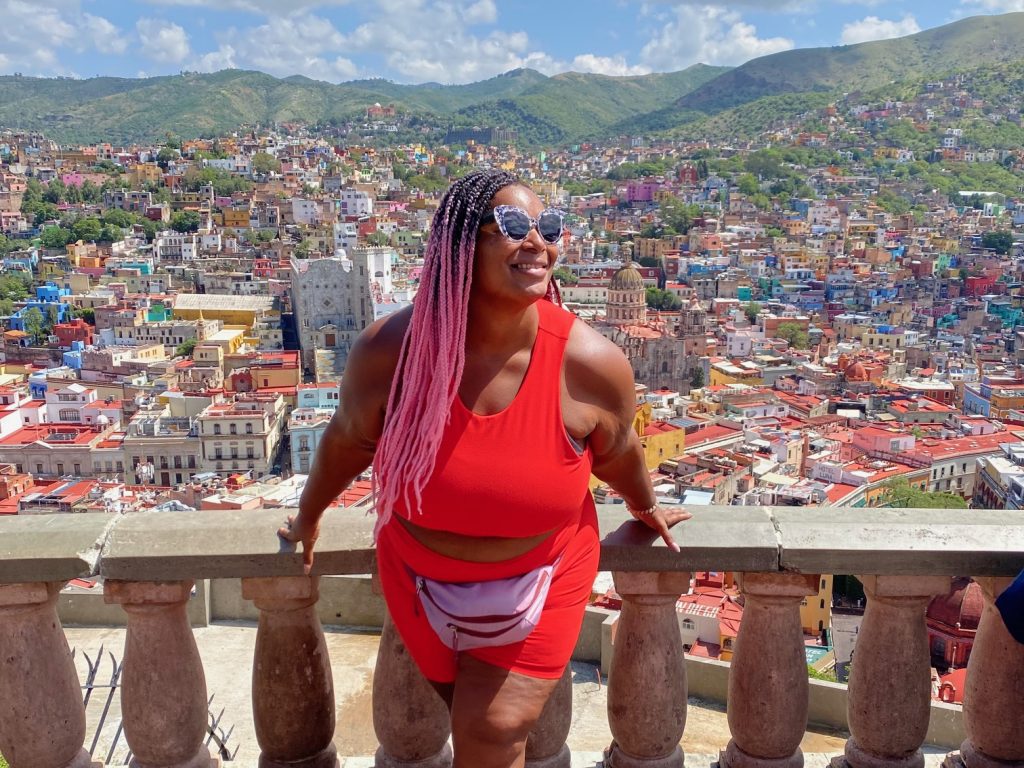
[296, 45]
[874, 28]
[105, 37]
[482, 12]
[163, 41]
[32, 35]
[707, 34]
[998, 6]
[606, 65]
[261, 7]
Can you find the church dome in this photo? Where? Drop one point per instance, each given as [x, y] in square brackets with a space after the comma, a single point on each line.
[961, 608]
[856, 371]
[627, 279]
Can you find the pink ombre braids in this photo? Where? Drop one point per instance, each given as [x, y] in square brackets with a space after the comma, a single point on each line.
[433, 351]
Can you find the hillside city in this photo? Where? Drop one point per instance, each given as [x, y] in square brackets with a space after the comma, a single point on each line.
[828, 313]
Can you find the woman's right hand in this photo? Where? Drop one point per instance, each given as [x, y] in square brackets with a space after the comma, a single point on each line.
[298, 528]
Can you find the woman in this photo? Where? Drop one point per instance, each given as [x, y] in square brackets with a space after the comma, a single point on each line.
[485, 408]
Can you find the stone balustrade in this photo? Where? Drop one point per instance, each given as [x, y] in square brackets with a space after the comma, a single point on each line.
[150, 561]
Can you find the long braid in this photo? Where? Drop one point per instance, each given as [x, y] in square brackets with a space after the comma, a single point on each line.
[433, 351]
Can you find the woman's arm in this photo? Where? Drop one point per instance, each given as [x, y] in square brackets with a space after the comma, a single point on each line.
[598, 375]
[350, 441]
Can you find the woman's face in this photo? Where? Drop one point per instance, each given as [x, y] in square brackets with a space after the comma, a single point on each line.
[507, 271]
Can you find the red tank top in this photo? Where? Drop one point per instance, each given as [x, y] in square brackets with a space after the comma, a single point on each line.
[514, 473]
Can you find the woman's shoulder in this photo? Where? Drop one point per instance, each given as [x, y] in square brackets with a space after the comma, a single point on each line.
[595, 363]
[377, 348]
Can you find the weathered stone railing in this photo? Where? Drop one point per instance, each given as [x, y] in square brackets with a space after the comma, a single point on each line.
[149, 562]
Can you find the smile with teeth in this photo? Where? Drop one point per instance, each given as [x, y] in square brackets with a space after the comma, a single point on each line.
[531, 268]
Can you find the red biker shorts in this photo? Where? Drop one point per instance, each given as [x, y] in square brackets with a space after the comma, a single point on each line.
[546, 651]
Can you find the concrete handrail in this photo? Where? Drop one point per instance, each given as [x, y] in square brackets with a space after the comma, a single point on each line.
[231, 544]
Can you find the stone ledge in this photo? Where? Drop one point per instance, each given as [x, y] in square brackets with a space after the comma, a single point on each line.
[202, 545]
[902, 542]
[51, 547]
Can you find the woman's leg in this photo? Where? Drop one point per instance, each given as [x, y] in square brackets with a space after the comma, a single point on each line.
[493, 711]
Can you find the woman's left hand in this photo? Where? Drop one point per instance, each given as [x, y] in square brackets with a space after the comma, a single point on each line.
[661, 519]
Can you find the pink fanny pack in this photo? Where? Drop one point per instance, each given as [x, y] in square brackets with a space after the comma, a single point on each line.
[484, 613]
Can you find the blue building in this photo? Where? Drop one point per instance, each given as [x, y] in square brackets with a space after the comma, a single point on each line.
[47, 301]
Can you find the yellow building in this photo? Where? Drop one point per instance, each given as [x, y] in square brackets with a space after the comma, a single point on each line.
[816, 610]
[236, 218]
[144, 173]
[726, 372]
[660, 440]
[241, 311]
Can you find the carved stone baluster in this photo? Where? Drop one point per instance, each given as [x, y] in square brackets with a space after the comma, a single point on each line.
[42, 720]
[546, 747]
[994, 695]
[409, 717]
[163, 688]
[292, 685]
[647, 685]
[890, 687]
[768, 690]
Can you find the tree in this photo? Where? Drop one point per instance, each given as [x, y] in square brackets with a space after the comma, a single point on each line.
[565, 276]
[303, 248]
[15, 285]
[697, 378]
[55, 237]
[900, 493]
[752, 310]
[378, 238]
[86, 313]
[56, 191]
[33, 322]
[264, 163]
[1001, 242]
[88, 229]
[662, 300]
[52, 316]
[748, 185]
[794, 335]
[185, 348]
[185, 221]
[166, 155]
[46, 212]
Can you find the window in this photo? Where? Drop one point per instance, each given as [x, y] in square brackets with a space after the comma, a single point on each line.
[120, 466]
[249, 454]
[39, 469]
[688, 624]
[177, 463]
[248, 428]
[233, 429]
[822, 604]
[78, 469]
[217, 453]
[823, 582]
[191, 462]
[216, 429]
[67, 414]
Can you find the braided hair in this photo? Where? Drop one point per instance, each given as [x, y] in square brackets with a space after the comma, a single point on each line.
[433, 352]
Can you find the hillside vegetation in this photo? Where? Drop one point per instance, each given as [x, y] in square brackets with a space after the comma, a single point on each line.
[699, 102]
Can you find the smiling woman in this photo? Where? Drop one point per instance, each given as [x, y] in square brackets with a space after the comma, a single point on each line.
[485, 409]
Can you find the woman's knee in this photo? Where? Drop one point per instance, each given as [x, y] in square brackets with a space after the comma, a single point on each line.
[496, 706]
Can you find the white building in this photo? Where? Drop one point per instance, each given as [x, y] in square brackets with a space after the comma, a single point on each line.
[332, 301]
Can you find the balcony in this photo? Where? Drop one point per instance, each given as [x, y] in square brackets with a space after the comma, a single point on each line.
[150, 562]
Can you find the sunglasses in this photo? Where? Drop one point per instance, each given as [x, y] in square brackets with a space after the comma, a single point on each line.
[515, 223]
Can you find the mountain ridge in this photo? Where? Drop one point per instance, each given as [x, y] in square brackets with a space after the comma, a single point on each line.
[562, 108]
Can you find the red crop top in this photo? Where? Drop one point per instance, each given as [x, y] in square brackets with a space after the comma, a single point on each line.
[514, 473]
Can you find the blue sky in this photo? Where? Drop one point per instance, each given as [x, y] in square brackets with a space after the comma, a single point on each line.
[449, 41]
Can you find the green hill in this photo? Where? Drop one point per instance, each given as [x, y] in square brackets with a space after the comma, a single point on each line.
[124, 110]
[699, 101]
[962, 45]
